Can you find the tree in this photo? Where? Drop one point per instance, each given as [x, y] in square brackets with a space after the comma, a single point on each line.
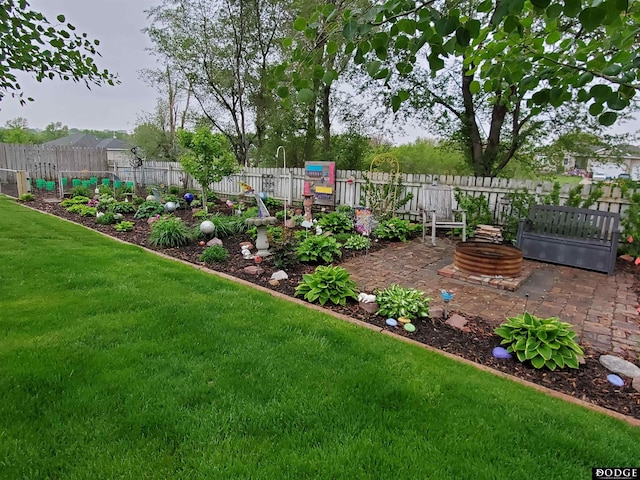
[226, 50]
[29, 42]
[524, 58]
[208, 158]
[17, 130]
[53, 131]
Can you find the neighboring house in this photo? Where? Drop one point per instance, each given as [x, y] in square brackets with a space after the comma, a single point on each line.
[116, 148]
[608, 163]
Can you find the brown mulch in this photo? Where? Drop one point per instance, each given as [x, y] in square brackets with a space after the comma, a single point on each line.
[588, 383]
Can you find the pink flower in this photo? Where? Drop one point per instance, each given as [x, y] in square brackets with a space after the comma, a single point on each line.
[630, 239]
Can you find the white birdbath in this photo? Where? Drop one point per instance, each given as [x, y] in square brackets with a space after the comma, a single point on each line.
[262, 242]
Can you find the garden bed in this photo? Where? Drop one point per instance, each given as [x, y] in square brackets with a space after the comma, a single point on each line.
[588, 383]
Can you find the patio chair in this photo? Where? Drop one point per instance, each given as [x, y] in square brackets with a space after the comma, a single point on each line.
[438, 212]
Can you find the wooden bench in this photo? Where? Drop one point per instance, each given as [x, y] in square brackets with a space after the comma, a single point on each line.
[576, 237]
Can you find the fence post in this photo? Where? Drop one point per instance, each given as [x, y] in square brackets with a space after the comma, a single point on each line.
[23, 185]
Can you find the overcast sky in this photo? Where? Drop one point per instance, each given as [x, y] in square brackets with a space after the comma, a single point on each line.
[117, 24]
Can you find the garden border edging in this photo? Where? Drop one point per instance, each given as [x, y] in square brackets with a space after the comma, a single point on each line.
[553, 393]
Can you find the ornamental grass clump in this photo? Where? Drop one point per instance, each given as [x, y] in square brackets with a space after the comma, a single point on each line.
[396, 301]
[169, 231]
[214, 254]
[545, 342]
[327, 283]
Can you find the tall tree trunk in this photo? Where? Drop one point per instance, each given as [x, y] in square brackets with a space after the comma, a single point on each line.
[470, 125]
[326, 123]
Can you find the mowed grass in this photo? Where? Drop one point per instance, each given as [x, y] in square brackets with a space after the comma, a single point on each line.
[115, 363]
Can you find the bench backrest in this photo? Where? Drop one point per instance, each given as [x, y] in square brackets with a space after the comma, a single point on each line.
[573, 222]
[439, 198]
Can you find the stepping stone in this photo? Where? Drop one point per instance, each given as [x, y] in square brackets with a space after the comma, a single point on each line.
[620, 366]
[392, 322]
[458, 322]
[404, 320]
[409, 327]
[501, 352]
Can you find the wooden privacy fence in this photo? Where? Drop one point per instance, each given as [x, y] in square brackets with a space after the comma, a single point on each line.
[45, 161]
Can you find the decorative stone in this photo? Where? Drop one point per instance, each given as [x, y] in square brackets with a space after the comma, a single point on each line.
[289, 223]
[626, 258]
[458, 322]
[214, 241]
[436, 313]
[279, 275]
[615, 380]
[274, 283]
[249, 245]
[620, 366]
[150, 198]
[207, 227]
[392, 322]
[369, 307]
[404, 320]
[253, 270]
[636, 384]
[500, 352]
[409, 327]
[170, 207]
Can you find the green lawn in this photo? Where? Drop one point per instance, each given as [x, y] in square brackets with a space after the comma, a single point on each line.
[115, 363]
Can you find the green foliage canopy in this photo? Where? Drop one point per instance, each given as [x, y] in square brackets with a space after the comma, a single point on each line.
[29, 42]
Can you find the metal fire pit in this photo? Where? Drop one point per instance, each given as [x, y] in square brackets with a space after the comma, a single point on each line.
[488, 259]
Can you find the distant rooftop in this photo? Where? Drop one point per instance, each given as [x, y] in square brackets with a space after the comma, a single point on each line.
[86, 140]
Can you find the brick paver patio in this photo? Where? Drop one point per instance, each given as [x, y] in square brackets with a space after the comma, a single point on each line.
[602, 308]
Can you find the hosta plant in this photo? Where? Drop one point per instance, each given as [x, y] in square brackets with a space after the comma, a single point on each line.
[79, 200]
[124, 226]
[545, 342]
[319, 249]
[149, 209]
[357, 242]
[122, 207]
[27, 197]
[396, 301]
[327, 283]
[169, 231]
[394, 229]
[106, 218]
[336, 222]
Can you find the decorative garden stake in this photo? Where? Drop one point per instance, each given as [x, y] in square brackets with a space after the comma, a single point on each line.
[188, 197]
[446, 298]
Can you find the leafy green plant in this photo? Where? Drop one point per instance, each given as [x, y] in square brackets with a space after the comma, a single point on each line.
[319, 248]
[384, 200]
[149, 209]
[630, 243]
[477, 208]
[545, 342]
[80, 191]
[122, 207]
[107, 218]
[214, 254]
[396, 301]
[357, 242]
[224, 226]
[336, 222]
[283, 254]
[124, 226]
[79, 200]
[393, 229]
[27, 197]
[201, 215]
[105, 201]
[82, 210]
[169, 231]
[327, 283]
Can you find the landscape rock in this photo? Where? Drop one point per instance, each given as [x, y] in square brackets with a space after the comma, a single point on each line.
[214, 241]
[249, 245]
[279, 275]
[253, 270]
[626, 258]
[458, 322]
[636, 384]
[274, 283]
[620, 366]
[370, 307]
[436, 313]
